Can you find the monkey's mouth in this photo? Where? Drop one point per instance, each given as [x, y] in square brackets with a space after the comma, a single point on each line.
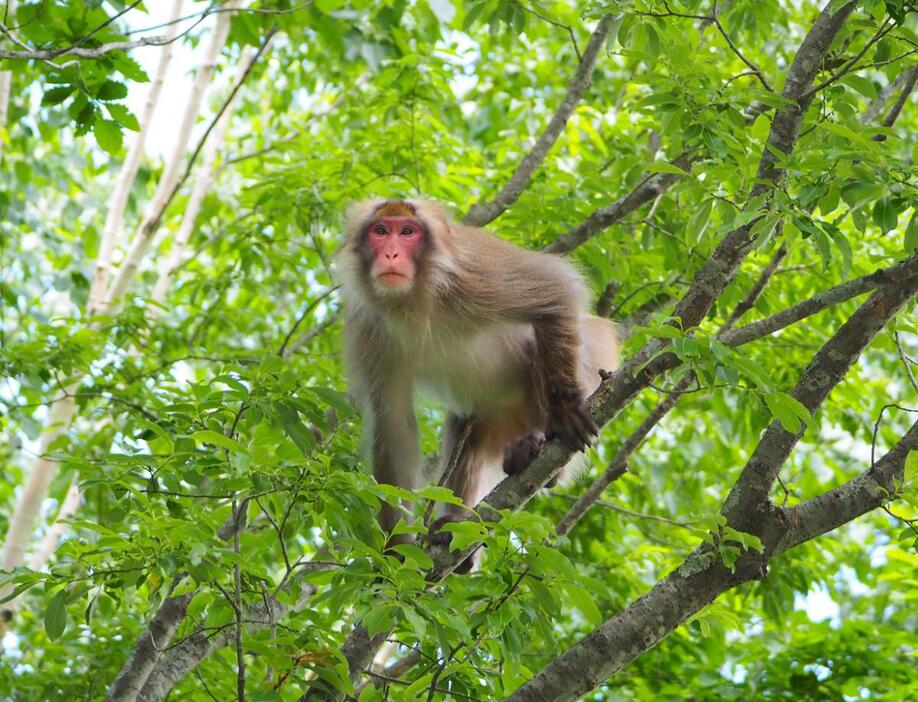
[392, 278]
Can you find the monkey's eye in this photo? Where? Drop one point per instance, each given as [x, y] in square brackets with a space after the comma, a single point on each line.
[379, 230]
[407, 231]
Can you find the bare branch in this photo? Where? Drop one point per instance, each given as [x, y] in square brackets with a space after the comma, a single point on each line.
[847, 502]
[755, 292]
[905, 361]
[876, 105]
[647, 189]
[884, 29]
[833, 296]
[909, 85]
[748, 499]
[733, 47]
[482, 213]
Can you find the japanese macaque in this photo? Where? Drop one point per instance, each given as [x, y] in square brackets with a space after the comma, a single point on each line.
[500, 334]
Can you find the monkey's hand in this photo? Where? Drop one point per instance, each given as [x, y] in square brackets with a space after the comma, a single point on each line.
[438, 537]
[519, 453]
[569, 421]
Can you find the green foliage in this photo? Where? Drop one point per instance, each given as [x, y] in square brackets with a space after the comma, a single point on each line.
[232, 391]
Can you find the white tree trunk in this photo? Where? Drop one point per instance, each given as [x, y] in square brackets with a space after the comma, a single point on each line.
[127, 271]
[114, 220]
[202, 186]
[68, 508]
[22, 521]
[6, 77]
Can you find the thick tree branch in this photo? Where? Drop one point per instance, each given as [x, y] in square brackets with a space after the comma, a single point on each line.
[847, 502]
[748, 502]
[646, 190]
[148, 649]
[482, 213]
[833, 296]
[703, 576]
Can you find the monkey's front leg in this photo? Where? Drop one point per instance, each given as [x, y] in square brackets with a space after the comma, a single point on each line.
[569, 419]
[396, 454]
[568, 413]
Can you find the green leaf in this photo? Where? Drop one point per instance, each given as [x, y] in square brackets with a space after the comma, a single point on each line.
[439, 494]
[583, 601]
[56, 96]
[56, 615]
[885, 215]
[108, 135]
[911, 468]
[294, 428]
[207, 436]
[412, 552]
[788, 410]
[128, 67]
[699, 220]
[381, 618]
[336, 399]
[464, 534]
[911, 233]
[123, 116]
[111, 90]
[665, 167]
[863, 85]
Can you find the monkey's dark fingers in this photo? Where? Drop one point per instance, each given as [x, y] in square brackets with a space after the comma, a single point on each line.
[576, 430]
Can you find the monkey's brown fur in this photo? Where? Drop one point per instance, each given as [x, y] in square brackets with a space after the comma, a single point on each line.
[500, 334]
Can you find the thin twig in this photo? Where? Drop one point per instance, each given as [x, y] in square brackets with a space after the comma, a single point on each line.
[752, 67]
[905, 362]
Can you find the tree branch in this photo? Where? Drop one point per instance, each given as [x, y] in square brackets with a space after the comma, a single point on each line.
[840, 293]
[735, 49]
[869, 490]
[703, 576]
[647, 189]
[748, 502]
[482, 213]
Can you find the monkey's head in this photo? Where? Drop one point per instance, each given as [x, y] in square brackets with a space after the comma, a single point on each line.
[396, 248]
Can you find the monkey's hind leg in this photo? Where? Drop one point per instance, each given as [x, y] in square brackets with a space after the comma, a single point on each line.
[474, 469]
[519, 453]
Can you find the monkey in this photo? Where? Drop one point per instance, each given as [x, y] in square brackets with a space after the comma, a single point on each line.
[500, 334]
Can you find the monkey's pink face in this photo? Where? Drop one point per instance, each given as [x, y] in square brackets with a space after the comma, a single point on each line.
[394, 243]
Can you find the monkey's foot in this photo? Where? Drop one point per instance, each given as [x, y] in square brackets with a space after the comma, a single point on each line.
[520, 452]
[437, 537]
[570, 422]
